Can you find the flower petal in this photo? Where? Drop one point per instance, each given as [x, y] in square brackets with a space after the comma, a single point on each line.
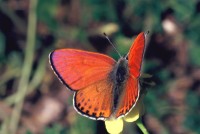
[114, 126]
[134, 113]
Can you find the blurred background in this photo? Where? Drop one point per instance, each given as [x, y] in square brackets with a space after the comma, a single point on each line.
[33, 101]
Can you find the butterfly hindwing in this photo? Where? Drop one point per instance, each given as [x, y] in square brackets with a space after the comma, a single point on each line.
[95, 100]
[129, 97]
[78, 69]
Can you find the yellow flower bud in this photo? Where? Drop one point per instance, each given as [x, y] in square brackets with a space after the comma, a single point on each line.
[135, 113]
[114, 126]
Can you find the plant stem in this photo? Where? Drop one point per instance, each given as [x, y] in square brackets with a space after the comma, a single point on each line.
[35, 81]
[142, 127]
[26, 68]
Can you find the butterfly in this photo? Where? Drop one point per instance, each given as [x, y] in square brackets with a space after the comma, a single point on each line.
[103, 88]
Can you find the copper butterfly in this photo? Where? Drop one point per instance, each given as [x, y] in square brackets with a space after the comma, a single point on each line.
[103, 88]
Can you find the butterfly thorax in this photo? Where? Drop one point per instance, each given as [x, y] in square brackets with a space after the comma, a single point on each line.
[121, 71]
[119, 76]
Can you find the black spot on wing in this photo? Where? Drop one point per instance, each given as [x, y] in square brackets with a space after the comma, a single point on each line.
[96, 109]
[83, 100]
[94, 114]
[91, 113]
[79, 105]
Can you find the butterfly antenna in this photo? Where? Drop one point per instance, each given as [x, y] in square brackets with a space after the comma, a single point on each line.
[112, 44]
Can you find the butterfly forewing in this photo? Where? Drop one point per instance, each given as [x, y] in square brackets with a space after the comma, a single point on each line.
[135, 55]
[78, 69]
[131, 91]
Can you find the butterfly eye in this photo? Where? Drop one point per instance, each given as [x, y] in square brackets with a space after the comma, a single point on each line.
[125, 57]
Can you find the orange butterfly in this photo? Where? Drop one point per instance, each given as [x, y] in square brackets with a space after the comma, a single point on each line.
[103, 87]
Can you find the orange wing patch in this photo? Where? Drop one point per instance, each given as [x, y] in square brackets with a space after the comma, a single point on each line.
[129, 97]
[96, 100]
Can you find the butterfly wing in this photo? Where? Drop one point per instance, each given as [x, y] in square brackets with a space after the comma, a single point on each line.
[129, 97]
[95, 101]
[136, 55]
[86, 73]
[130, 94]
[77, 69]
